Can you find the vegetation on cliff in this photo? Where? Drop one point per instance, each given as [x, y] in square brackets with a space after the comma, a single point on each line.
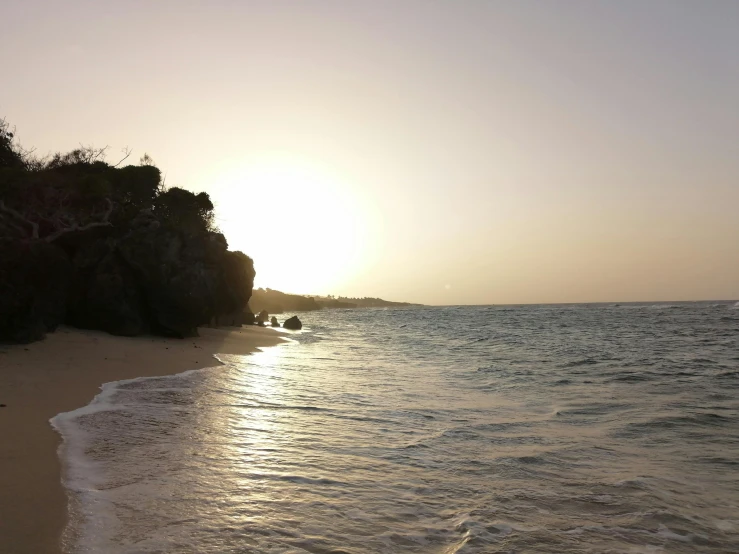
[107, 246]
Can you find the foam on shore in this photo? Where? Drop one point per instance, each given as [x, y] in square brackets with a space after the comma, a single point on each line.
[59, 375]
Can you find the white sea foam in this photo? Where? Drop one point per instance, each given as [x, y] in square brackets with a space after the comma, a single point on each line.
[91, 516]
[93, 521]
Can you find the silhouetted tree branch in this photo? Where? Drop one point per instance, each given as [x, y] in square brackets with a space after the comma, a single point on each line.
[127, 151]
[67, 224]
[18, 217]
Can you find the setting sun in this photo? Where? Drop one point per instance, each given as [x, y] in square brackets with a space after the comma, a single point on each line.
[301, 210]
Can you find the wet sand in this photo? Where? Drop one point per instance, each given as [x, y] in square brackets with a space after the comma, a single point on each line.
[62, 373]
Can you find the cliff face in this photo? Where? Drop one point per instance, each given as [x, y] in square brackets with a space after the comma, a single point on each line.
[150, 280]
[34, 280]
[157, 280]
[98, 247]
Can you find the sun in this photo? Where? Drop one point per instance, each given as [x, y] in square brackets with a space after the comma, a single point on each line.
[306, 230]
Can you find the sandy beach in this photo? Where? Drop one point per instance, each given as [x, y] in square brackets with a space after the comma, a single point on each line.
[62, 373]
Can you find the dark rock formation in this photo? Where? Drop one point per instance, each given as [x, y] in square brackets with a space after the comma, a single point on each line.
[233, 319]
[105, 247]
[156, 279]
[177, 275]
[104, 293]
[236, 282]
[263, 317]
[293, 323]
[170, 282]
[248, 318]
[34, 280]
[275, 323]
[152, 279]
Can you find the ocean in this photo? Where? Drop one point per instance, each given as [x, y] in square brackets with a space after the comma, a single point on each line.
[552, 428]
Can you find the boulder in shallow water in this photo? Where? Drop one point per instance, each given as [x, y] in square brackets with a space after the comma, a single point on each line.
[248, 317]
[293, 323]
[275, 323]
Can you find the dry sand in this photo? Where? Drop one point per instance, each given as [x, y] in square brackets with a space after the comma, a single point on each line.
[62, 373]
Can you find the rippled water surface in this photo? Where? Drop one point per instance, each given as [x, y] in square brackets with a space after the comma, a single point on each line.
[433, 430]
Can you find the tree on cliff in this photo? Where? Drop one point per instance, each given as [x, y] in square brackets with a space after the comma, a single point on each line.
[47, 198]
[185, 210]
[39, 206]
[10, 153]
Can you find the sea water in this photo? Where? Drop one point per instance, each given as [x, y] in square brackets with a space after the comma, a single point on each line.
[576, 428]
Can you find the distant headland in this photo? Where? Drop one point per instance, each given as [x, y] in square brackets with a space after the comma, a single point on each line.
[276, 302]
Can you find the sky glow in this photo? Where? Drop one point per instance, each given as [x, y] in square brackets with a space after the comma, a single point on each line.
[463, 152]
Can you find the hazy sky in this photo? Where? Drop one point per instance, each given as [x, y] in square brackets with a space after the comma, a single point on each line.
[442, 152]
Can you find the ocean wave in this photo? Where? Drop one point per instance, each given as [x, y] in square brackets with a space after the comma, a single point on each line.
[632, 378]
[302, 480]
[581, 362]
[597, 409]
[718, 460]
[267, 406]
[657, 425]
[703, 361]
[658, 535]
[728, 374]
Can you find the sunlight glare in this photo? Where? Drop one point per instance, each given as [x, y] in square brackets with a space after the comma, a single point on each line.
[313, 231]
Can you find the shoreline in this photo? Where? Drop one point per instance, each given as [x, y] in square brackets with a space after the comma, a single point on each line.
[65, 372]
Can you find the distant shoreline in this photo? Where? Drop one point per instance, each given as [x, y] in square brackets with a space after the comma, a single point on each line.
[65, 372]
[278, 302]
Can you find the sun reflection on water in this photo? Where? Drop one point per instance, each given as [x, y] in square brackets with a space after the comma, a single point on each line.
[255, 427]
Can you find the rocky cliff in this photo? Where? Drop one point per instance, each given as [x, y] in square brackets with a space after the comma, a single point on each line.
[88, 244]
